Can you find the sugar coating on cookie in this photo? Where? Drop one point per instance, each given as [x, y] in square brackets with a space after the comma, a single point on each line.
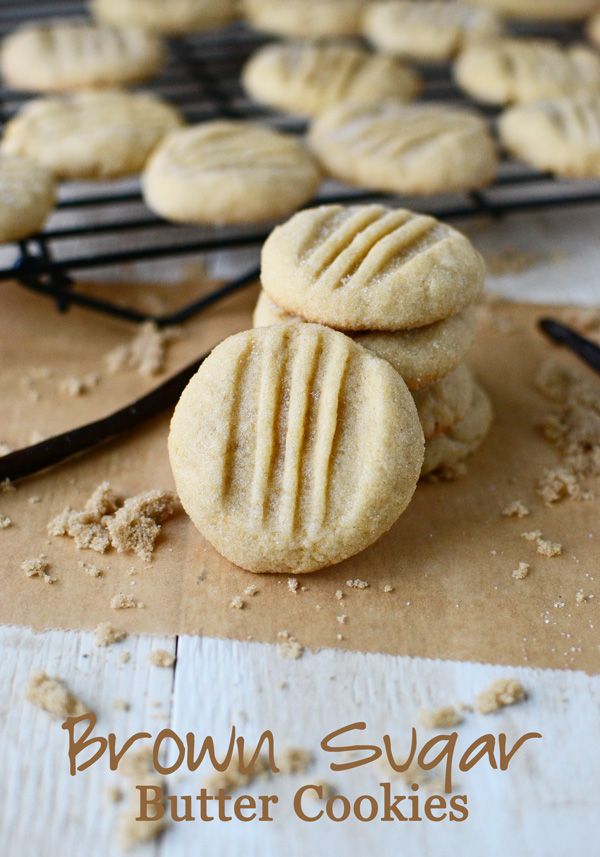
[540, 10]
[429, 30]
[442, 405]
[369, 267]
[91, 135]
[176, 16]
[422, 356]
[294, 448]
[510, 70]
[464, 438]
[405, 148]
[305, 78]
[560, 135]
[306, 18]
[66, 55]
[27, 194]
[229, 172]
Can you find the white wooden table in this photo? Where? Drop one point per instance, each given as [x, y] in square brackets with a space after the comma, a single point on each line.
[546, 804]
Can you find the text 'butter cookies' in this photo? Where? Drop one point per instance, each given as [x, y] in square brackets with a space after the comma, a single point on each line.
[368, 267]
[294, 448]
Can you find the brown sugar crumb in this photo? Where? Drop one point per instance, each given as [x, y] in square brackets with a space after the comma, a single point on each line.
[38, 567]
[121, 601]
[90, 569]
[52, 695]
[357, 583]
[292, 584]
[138, 768]
[5, 522]
[161, 658]
[237, 603]
[72, 386]
[443, 717]
[294, 760]
[522, 571]
[145, 353]
[548, 548]
[289, 647]
[532, 535]
[502, 692]
[107, 634]
[516, 509]
[107, 521]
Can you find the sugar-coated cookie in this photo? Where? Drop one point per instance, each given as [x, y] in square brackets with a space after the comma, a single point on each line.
[510, 70]
[405, 148]
[448, 450]
[422, 355]
[560, 135]
[68, 55]
[368, 267]
[26, 197]
[306, 18]
[294, 448]
[174, 16]
[305, 78]
[91, 135]
[429, 30]
[229, 172]
[540, 10]
[442, 405]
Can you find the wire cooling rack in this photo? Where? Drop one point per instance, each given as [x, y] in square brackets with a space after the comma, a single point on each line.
[202, 79]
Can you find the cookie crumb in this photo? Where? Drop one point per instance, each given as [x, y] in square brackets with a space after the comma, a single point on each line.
[581, 597]
[72, 386]
[522, 571]
[38, 567]
[251, 590]
[113, 794]
[443, 717]
[121, 601]
[548, 548]
[502, 692]
[145, 353]
[289, 647]
[121, 705]
[34, 499]
[161, 658]
[388, 588]
[124, 657]
[516, 509]
[342, 619]
[237, 603]
[294, 760]
[532, 535]
[90, 569]
[53, 696]
[292, 584]
[5, 522]
[107, 634]
[233, 778]
[357, 583]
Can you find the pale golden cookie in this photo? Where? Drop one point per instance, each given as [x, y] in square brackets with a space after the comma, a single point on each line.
[442, 405]
[67, 55]
[174, 16]
[510, 70]
[91, 135]
[368, 267]
[294, 448]
[429, 30]
[405, 148]
[560, 135]
[229, 172]
[448, 450]
[422, 355]
[540, 10]
[306, 18]
[26, 197]
[593, 28]
[305, 78]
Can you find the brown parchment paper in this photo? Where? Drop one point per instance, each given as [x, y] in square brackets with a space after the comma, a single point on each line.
[449, 558]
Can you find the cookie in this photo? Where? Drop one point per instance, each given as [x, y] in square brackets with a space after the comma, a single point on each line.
[442, 405]
[405, 148]
[561, 135]
[428, 30]
[447, 450]
[76, 55]
[304, 78]
[174, 17]
[510, 70]
[593, 28]
[27, 196]
[422, 355]
[294, 448]
[368, 267]
[541, 10]
[229, 172]
[306, 18]
[91, 135]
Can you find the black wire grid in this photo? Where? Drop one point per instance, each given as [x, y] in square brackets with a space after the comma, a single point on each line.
[202, 79]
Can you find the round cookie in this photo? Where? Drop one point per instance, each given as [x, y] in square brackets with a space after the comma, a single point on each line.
[442, 405]
[27, 196]
[561, 136]
[422, 355]
[305, 78]
[306, 18]
[174, 17]
[429, 30]
[465, 438]
[229, 172]
[540, 10]
[405, 148]
[368, 267]
[294, 448]
[91, 135]
[510, 70]
[67, 55]
[593, 28]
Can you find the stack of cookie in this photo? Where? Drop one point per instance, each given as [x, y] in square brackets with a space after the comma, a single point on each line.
[403, 286]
